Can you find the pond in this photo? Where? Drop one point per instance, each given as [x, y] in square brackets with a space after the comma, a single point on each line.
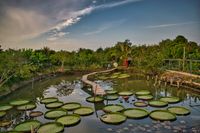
[75, 91]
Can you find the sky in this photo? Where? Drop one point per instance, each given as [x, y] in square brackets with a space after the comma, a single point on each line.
[73, 24]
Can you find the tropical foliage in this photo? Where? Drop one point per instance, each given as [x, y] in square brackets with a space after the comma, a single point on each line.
[23, 64]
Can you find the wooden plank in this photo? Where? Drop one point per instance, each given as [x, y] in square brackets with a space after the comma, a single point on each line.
[96, 88]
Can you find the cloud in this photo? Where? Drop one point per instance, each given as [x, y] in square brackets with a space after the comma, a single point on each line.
[56, 35]
[18, 24]
[170, 25]
[76, 16]
[105, 27]
[115, 4]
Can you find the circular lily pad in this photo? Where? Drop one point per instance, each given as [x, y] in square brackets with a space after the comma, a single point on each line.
[83, 111]
[5, 107]
[178, 110]
[170, 99]
[19, 102]
[113, 118]
[158, 103]
[69, 120]
[111, 91]
[113, 76]
[113, 108]
[49, 100]
[94, 99]
[2, 113]
[162, 115]
[136, 113]
[145, 97]
[111, 97]
[5, 123]
[103, 77]
[121, 76]
[140, 104]
[51, 127]
[53, 114]
[28, 106]
[35, 113]
[27, 125]
[143, 92]
[125, 93]
[54, 105]
[71, 106]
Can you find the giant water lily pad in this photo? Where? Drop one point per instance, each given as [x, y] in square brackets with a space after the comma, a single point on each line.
[121, 76]
[94, 99]
[111, 91]
[53, 114]
[28, 106]
[170, 99]
[113, 118]
[113, 76]
[140, 104]
[49, 100]
[162, 115]
[135, 113]
[125, 93]
[26, 126]
[35, 113]
[178, 110]
[71, 106]
[5, 107]
[113, 108]
[51, 127]
[5, 123]
[103, 77]
[2, 113]
[54, 105]
[69, 120]
[83, 111]
[19, 102]
[145, 97]
[111, 97]
[158, 103]
[143, 92]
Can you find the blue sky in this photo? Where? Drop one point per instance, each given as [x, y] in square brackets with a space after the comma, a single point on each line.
[71, 24]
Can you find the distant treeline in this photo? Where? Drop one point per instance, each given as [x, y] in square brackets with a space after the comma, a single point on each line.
[22, 64]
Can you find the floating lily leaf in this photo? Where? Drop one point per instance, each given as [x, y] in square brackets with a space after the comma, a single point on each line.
[94, 99]
[178, 110]
[113, 118]
[135, 113]
[49, 100]
[71, 106]
[54, 105]
[69, 120]
[51, 127]
[27, 125]
[19, 102]
[162, 115]
[53, 114]
[83, 111]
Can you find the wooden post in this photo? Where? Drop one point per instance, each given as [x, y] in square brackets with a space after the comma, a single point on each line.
[190, 66]
[183, 58]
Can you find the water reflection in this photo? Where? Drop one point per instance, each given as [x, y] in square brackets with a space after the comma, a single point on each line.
[69, 89]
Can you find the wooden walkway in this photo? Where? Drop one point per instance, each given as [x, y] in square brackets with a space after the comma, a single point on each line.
[96, 88]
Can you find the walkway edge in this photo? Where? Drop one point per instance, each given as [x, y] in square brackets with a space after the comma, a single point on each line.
[97, 90]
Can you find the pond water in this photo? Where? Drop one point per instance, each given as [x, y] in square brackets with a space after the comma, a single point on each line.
[92, 123]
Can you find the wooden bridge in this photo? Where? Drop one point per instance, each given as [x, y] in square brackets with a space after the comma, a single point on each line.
[96, 88]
